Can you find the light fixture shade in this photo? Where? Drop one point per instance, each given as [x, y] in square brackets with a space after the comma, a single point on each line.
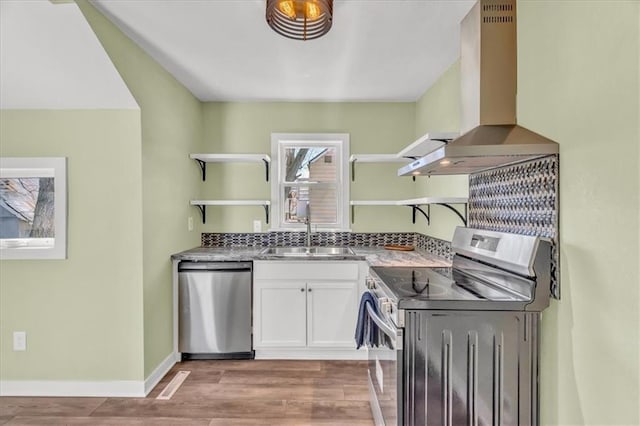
[300, 19]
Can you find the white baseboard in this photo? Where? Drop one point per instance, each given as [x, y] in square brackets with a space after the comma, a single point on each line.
[159, 373]
[107, 388]
[348, 354]
[111, 388]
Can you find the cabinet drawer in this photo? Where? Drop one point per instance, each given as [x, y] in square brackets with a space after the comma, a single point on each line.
[316, 270]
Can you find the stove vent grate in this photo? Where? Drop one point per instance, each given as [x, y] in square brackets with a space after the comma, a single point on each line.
[498, 12]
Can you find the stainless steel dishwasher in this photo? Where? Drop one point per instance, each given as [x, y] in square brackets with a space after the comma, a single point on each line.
[214, 310]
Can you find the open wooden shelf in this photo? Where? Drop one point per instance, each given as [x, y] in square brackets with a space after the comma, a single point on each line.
[202, 205]
[203, 159]
[415, 204]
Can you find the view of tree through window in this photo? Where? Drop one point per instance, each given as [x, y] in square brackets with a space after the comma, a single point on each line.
[310, 179]
[33, 208]
[27, 207]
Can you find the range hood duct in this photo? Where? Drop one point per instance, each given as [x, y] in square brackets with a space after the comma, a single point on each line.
[488, 66]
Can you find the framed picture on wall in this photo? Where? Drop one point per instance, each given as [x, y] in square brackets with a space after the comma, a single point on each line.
[33, 208]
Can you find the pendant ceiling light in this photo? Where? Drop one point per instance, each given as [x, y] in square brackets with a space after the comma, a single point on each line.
[300, 19]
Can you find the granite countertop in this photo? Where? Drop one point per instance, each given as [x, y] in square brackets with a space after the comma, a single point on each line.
[378, 256]
[374, 256]
[219, 254]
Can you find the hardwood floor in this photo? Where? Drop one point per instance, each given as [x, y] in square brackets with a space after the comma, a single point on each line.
[218, 393]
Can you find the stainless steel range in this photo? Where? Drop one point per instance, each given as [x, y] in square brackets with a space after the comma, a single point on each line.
[459, 345]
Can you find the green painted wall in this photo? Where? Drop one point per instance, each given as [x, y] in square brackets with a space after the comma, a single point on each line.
[82, 315]
[171, 130]
[578, 68]
[89, 317]
[578, 84]
[374, 128]
[438, 110]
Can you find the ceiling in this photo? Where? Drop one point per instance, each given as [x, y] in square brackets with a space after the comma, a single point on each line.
[68, 71]
[223, 50]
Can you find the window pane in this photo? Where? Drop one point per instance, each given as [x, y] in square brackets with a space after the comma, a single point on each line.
[295, 207]
[321, 198]
[323, 204]
[316, 164]
[27, 207]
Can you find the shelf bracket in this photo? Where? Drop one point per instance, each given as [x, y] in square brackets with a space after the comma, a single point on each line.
[412, 158]
[415, 207]
[266, 213]
[203, 211]
[353, 175]
[266, 168]
[203, 167]
[456, 211]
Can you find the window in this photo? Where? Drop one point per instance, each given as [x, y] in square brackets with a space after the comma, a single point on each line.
[33, 216]
[310, 174]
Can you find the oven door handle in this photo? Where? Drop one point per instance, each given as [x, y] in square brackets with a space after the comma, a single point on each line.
[396, 335]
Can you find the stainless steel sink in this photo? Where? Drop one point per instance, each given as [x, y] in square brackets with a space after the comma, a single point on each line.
[307, 251]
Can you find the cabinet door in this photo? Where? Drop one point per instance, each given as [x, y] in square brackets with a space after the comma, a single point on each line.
[279, 314]
[332, 314]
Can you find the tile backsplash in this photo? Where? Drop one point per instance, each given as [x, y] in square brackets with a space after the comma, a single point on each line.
[431, 245]
[520, 199]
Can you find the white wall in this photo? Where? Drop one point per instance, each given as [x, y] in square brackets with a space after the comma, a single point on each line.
[51, 59]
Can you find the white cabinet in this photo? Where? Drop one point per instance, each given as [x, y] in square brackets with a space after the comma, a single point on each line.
[306, 310]
[331, 314]
[279, 314]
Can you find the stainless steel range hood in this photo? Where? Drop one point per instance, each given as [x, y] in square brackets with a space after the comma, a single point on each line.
[491, 136]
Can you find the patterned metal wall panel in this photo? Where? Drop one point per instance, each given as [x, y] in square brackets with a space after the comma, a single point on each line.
[521, 199]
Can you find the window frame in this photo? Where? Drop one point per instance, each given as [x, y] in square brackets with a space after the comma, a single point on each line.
[340, 142]
[16, 167]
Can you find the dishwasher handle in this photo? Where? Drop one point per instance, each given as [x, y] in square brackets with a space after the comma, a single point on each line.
[214, 266]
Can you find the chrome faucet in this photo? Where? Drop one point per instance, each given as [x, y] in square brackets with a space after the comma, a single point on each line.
[308, 223]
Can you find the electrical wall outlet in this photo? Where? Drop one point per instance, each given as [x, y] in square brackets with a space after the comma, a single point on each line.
[19, 340]
[190, 223]
[257, 226]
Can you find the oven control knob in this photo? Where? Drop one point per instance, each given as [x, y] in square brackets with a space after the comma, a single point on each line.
[385, 307]
[371, 284]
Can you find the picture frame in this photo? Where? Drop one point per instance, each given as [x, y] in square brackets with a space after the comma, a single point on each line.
[33, 208]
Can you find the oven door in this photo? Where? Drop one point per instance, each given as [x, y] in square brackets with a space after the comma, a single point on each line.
[385, 373]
